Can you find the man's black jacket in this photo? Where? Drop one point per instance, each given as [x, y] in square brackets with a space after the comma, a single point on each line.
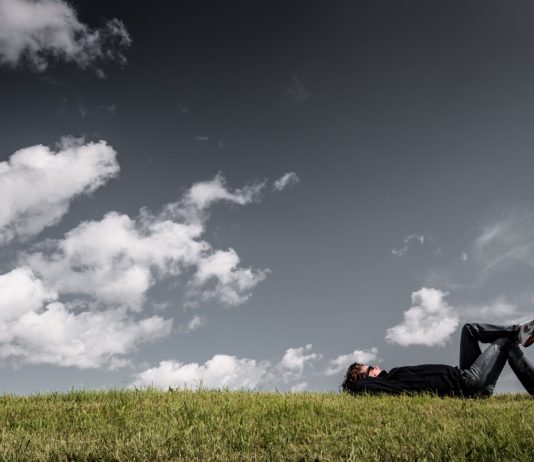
[435, 378]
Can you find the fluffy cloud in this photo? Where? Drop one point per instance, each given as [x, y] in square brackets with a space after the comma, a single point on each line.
[341, 363]
[301, 386]
[36, 329]
[231, 286]
[292, 364]
[40, 30]
[285, 181]
[218, 372]
[21, 293]
[225, 371]
[430, 321]
[194, 323]
[77, 301]
[90, 339]
[116, 260]
[37, 184]
[412, 237]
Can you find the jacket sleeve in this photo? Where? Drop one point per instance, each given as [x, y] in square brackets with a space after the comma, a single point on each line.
[375, 386]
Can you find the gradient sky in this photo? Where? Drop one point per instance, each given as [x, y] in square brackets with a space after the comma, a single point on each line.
[407, 127]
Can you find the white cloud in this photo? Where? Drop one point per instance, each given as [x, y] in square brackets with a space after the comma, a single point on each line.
[205, 193]
[464, 256]
[301, 386]
[229, 371]
[21, 293]
[37, 184]
[117, 259]
[430, 321]
[76, 301]
[292, 364]
[340, 364]
[286, 181]
[412, 237]
[40, 31]
[194, 323]
[232, 285]
[221, 371]
[91, 339]
[36, 329]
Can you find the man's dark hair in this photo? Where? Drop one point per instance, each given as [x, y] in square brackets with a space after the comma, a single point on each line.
[354, 372]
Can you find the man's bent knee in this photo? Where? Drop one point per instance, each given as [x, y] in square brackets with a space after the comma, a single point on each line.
[467, 328]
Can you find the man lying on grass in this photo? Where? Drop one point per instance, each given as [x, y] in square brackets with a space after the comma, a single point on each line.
[476, 375]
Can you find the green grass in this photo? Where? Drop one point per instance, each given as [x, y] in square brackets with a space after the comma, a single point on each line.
[221, 425]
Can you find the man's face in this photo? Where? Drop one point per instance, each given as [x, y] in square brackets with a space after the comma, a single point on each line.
[370, 371]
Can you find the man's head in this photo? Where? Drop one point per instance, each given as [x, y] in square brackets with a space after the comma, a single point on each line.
[358, 371]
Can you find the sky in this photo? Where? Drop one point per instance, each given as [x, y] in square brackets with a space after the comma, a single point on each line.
[234, 194]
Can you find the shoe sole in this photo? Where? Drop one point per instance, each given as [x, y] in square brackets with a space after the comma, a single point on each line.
[526, 328]
[529, 341]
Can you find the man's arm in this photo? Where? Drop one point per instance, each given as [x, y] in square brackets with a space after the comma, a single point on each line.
[376, 385]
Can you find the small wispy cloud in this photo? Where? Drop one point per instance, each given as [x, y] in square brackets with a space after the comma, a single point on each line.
[110, 109]
[194, 323]
[499, 311]
[78, 108]
[286, 181]
[296, 91]
[506, 243]
[82, 110]
[407, 240]
[42, 31]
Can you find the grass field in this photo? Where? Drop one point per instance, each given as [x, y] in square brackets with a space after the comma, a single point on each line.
[222, 425]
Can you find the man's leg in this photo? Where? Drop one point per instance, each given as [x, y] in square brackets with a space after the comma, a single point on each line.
[483, 373]
[472, 333]
[523, 368]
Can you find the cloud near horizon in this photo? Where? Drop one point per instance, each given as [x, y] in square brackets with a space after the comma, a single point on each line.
[340, 364]
[41, 31]
[227, 371]
[36, 329]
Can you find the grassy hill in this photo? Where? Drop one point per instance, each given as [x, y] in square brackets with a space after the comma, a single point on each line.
[222, 425]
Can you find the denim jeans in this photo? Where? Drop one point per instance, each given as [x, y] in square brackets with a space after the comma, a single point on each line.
[480, 370]
[522, 367]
